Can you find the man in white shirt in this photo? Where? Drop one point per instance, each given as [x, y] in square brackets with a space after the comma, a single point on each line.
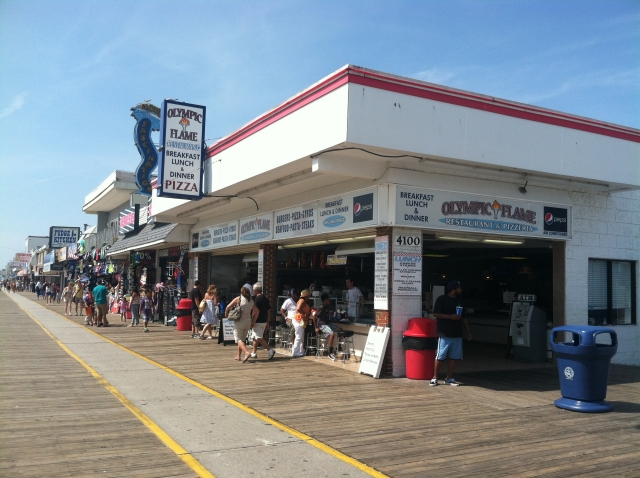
[288, 309]
[355, 299]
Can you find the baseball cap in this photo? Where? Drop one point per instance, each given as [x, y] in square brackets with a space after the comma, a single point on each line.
[454, 284]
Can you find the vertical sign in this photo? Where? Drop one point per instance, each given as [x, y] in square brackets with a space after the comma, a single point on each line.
[381, 273]
[195, 266]
[407, 262]
[261, 266]
[182, 139]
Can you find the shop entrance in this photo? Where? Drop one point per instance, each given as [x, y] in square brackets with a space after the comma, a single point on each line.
[492, 274]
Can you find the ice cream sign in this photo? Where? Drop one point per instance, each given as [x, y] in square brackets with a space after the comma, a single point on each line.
[182, 138]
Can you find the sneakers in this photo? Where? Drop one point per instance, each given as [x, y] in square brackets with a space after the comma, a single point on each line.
[332, 356]
[451, 381]
[253, 355]
[145, 330]
[195, 336]
[272, 352]
[433, 382]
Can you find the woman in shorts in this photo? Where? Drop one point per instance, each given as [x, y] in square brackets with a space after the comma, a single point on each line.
[241, 327]
[209, 319]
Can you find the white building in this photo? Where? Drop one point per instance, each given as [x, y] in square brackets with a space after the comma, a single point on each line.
[482, 183]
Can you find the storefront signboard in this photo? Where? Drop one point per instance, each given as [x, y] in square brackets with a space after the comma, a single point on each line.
[194, 264]
[51, 267]
[348, 211]
[255, 229]
[335, 260]
[49, 258]
[147, 258]
[63, 236]
[381, 274]
[215, 237]
[295, 222]
[61, 254]
[22, 257]
[447, 210]
[374, 350]
[72, 251]
[182, 138]
[228, 326]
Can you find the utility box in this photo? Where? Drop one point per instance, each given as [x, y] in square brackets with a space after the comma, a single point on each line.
[528, 333]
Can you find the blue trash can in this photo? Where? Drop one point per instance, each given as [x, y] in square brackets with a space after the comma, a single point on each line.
[583, 366]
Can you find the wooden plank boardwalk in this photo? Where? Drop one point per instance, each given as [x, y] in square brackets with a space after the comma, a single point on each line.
[497, 424]
[57, 420]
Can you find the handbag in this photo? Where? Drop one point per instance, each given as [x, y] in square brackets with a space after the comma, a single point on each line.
[202, 306]
[235, 312]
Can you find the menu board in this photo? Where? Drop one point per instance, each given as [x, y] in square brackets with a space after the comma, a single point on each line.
[374, 350]
[214, 237]
[381, 274]
[407, 273]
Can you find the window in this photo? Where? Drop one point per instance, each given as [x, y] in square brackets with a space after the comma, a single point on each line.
[612, 292]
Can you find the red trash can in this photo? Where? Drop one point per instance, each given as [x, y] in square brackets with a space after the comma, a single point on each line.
[183, 315]
[420, 342]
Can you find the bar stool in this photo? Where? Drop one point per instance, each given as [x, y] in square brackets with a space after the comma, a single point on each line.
[322, 345]
[312, 344]
[345, 345]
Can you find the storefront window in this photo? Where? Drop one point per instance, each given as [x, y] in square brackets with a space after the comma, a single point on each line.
[612, 292]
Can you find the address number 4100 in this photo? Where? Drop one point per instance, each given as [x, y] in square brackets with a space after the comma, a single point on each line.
[408, 240]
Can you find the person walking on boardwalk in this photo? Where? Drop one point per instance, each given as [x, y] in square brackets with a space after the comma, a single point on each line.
[67, 293]
[209, 319]
[77, 296]
[38, 289]
[260, 322]
[135, 308]
[196, 296]
[452, 326]
[146, 309]
[100, 298]
[241, 327]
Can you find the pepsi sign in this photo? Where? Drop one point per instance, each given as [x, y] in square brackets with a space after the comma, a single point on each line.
[555, 221]
[363, 208]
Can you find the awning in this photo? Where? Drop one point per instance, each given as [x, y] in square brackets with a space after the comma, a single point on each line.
[151, 236]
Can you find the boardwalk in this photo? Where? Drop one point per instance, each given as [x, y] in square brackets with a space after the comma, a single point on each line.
[497, 424]
[57, 420]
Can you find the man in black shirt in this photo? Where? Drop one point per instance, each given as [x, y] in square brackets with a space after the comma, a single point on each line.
[260, 322]
[452, 326]
[196, 296]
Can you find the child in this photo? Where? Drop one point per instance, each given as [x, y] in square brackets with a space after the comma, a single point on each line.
[146, 309]
[88, 305]
[124, 307]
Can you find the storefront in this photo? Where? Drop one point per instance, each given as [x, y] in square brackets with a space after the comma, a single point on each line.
[417, 185]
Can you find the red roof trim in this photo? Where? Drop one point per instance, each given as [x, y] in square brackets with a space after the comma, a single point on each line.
[428, 91]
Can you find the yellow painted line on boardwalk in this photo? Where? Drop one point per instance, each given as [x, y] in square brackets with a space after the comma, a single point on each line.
[302, 436]
[151, 425]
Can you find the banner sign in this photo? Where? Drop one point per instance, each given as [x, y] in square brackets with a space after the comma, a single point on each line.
[255, 229]
[381, 274]
[214, 237]
[61, 254]
[296, 221]
[348, 211]
[72, 251]
[430, 208]
[147, 258]
[182, 131]
[52, 267]
[63, 236]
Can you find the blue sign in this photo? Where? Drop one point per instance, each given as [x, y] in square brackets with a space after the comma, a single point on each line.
[147, 120]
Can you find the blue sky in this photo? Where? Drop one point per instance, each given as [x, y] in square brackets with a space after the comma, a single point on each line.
[71, 70]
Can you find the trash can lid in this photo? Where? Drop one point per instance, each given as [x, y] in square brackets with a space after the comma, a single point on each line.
[587, 333]
[421, 327]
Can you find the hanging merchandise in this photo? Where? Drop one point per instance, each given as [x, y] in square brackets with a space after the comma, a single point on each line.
[143, 277]
[81, 247]
[178, 277]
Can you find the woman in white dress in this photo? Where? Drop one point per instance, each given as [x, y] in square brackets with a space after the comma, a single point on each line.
[209, 316]
[241, 327]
